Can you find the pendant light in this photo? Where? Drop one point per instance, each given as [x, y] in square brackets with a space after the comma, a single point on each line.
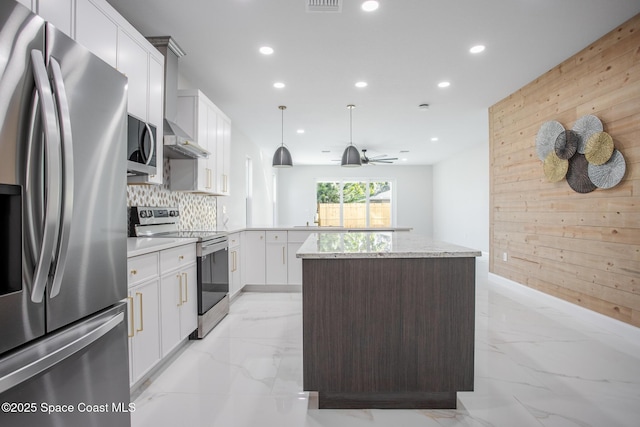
[351, 156]
[282, 156]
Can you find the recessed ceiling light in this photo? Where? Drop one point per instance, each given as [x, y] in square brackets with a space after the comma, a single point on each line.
[370, 5]
[362, 84]
[278, 85]
[434, 139]
[444, 84]
[423, 107]
[404, 151]
[266, 50]
[477, 49]
[300, 131]
[325, 151]
[404, 159]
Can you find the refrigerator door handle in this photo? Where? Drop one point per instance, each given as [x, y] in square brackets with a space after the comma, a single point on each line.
[52, 182]
[67, 180]
[35, 367]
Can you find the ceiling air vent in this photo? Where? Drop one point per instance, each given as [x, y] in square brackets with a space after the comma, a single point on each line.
[324, 5]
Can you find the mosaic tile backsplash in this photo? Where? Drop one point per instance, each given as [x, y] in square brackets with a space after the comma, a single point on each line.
[197, 212]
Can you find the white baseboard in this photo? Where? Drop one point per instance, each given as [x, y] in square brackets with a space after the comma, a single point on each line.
[272, 288]
[609, 324]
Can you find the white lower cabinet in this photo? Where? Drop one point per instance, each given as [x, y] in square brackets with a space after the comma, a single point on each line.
[254, 256]
[295, 239]
[178, 295]
[269, 258]
[276, 258]
[143, 315]
[235, 264]
[162, 305]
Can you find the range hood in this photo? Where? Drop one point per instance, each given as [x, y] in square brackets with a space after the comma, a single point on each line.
[178, 144]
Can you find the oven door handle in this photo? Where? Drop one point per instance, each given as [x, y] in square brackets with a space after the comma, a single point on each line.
[208, 250]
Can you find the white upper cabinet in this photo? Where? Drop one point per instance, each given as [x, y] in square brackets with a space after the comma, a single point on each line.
[223, 153]
[211, 129]
[96, 30]
[27, 3]
[133, 62]
[58, 12]
[156, 91]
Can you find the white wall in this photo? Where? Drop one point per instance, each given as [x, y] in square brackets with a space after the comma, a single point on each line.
[412, 192]
[461, 199]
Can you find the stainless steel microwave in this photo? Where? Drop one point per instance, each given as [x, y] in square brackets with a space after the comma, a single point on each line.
[141, 147]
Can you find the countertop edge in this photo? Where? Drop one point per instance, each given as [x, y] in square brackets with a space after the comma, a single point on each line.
[144, 245]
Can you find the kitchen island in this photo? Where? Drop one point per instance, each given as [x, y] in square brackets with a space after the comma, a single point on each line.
[388, 320]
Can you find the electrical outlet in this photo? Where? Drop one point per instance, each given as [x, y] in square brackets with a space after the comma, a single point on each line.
[504, 256]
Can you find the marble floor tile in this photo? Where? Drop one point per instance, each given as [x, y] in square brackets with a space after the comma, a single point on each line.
[535, 365]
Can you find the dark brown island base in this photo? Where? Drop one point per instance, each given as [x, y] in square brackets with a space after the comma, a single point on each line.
[388, 320]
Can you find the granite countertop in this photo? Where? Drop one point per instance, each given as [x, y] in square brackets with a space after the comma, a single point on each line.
[379, 245]
[144, 245]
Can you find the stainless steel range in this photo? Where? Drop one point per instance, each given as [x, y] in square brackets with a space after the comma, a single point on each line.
[212, 250]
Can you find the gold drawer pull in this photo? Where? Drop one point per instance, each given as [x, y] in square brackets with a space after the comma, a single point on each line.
[181, 257]
[134, 272]
[179, 286]
[141, 317]
[186, 287]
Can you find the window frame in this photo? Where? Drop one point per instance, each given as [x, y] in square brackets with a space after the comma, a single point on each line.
[367, 181]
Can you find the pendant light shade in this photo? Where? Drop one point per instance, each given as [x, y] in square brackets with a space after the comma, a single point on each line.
[282, 156]
[351, 155]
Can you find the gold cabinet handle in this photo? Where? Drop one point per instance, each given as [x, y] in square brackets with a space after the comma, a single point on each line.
[234, 264]
[181, 257]
[141, 316]
[186, 287]
[180, 287]
[134, 272]
[131, 331]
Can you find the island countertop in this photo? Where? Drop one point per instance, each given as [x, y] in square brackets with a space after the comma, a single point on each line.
[326, 245]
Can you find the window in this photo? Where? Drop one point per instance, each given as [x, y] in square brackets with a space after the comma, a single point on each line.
[354, 204]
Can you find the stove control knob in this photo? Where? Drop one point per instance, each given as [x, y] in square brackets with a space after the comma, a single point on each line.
[143, 214]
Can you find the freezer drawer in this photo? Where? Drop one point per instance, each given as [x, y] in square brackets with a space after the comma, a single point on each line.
[76, 377]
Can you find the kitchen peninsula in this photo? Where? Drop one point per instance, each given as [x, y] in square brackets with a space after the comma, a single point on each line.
[388, 320]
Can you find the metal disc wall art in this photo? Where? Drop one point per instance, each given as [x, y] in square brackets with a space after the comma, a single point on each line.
[609, 174]
[546, 138]
[586, 126]
[566, 144]
[599, 148]
[555, 168]
[585, 155]
[578, 176]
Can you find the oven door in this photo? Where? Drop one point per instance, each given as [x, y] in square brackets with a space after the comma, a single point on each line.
[213, 275]
[141, 147]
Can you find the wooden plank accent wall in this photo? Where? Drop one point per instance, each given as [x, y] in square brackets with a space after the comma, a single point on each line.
[583, 248]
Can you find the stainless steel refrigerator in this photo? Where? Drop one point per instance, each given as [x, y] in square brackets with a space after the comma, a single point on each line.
[63, 333]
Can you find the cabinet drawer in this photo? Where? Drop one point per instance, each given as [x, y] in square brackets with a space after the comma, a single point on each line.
[173, 258]
[234, 240]
[142, 267]
[276, 237]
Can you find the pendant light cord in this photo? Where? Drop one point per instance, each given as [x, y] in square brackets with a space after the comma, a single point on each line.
[282, 108]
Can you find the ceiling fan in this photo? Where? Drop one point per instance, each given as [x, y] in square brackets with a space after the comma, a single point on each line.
[376, 159]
